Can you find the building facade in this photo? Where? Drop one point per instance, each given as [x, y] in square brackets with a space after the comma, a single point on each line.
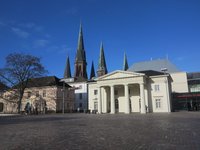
[142, 91]
[45, 94]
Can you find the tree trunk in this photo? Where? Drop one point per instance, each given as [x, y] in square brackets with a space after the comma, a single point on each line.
[20, 101]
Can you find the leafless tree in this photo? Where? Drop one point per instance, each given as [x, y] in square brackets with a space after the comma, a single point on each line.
[18, 70]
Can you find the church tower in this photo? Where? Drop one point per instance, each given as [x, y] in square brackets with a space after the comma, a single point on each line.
[102, 69]
[80, 60]
[125, 64]
[92, 72]
[67, 73]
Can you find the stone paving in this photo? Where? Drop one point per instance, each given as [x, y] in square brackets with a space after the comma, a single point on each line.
[180, 130]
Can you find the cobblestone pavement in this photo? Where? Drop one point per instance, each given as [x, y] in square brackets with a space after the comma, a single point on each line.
[179, 130]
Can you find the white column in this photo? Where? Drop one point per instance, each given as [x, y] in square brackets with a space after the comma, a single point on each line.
[99, 100]
[112, 100]
[105, 101]
[142, 98]
[168, 96]
[127, 102]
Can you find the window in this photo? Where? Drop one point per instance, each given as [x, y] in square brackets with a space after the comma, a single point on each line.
[37, 93]
[116, 92]
[156, 87]
[158, 103]
[80, 96]
[95, 92]
[29, 94]
[1, 107]
[1, 93]
[44, 93]
[80, 105]
[95, 105]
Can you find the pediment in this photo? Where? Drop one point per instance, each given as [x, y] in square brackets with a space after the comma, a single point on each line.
[119, 74]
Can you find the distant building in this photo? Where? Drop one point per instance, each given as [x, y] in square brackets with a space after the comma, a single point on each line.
[4, 104]
[194, 81]
[189, 101]
[42, 94]
[79, 80]
[155, 65]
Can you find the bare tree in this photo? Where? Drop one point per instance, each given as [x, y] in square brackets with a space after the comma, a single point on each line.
[18, 71]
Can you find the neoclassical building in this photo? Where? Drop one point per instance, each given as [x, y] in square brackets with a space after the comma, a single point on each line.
[142, 88]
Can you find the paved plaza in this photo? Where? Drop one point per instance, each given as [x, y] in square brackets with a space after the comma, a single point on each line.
[180, 130]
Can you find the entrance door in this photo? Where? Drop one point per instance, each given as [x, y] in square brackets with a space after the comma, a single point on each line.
[116, 105]
[1, 107]
[95, 105]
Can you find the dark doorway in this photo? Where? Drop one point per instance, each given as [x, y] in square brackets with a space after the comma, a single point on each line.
[1, 107]
[186, 101]
[116, 105]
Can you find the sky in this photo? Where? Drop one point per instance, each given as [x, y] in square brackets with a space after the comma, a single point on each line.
[143, 29]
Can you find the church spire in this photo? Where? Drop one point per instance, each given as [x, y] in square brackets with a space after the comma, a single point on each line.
[102, 69]
[92, 73]
[125, 64]
[67, 73]
[80, 54]
[80, 62]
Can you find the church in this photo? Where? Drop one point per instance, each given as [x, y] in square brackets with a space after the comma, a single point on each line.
[144, 87]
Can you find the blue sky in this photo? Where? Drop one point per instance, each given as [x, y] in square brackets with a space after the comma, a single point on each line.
[144, 29]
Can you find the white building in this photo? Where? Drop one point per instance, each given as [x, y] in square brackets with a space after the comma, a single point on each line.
[142, 91]
[81, 94]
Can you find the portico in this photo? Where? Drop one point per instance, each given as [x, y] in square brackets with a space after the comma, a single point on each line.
[119, 92]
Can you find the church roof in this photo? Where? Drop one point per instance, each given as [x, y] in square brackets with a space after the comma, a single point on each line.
[92, 73]
[45, 81]
[125, 64]
[151, 73]
[156, 65]
[67, 73]
[102, 60]
[80, 54]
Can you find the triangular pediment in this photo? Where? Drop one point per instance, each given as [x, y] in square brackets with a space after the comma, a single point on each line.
[120, 74]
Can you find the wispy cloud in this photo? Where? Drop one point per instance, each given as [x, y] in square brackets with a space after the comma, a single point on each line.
[61, 49]
[64, 49]
[2, 23]
[40, 43]
[180, 58]
[27, 25]
[31, 25]
[19, 32]
[71, 11]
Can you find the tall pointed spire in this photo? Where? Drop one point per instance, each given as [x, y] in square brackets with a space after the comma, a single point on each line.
[102, 69]
[67, 73]
[92, 73]
[80, 73]
[80, 54]
[125, 64]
